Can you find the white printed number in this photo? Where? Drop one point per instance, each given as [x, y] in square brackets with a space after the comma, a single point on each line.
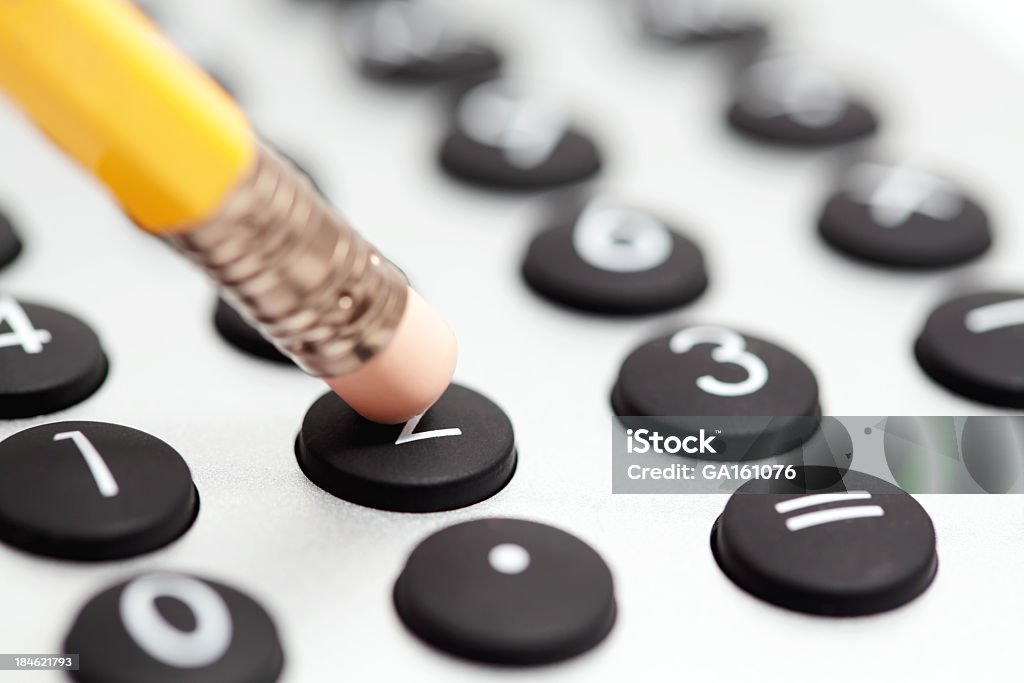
[995, 316]
[201, 646]
[408, 434]
[22, 333]
[526, 129]
[620, 240]
[105, 481]
[731, 349]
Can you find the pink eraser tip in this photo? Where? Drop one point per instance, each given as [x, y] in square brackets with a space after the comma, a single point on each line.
[409, 374]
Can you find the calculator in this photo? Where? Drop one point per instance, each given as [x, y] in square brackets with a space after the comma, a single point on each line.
[647, 207]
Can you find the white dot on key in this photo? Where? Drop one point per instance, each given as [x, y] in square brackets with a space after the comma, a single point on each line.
[509, 558]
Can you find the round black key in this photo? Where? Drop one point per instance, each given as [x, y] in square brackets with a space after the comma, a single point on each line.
[900, 216]
[10, 245]
[49, 360]
[92, 491]
[862, 547]
[414, 41]
[174, 628]
[503, 137]
[461, 451]
[612, 259]
[710, 371]
[974, 345]
[687, 22]
[506, 591]
[235, 330]
[787, 101]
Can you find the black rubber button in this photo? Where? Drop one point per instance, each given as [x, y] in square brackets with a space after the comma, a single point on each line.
[711, 371]
[461, 451]
[687, 22]
[504, 137]
[862, 547]
[609, 258]
[92, 491]
[49, 360]
[410, 41]
[235, 330]
[10, 245]
[174, 628]
[900, 216]
[506, 591]
[974, 345]
[788, 101]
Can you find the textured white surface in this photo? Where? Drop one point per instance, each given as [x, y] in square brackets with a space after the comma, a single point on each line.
[325, 568]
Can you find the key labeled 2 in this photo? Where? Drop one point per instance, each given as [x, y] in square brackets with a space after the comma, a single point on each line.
[608, 257]
[92, 491]
[459, 452]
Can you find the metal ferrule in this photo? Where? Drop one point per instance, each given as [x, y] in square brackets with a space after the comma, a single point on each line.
[288, 261]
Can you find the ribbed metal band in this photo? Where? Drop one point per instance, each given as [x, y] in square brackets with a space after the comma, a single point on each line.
[298, 271]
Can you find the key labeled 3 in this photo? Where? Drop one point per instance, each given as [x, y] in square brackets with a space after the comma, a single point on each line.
[714, 371]
[611, 258]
